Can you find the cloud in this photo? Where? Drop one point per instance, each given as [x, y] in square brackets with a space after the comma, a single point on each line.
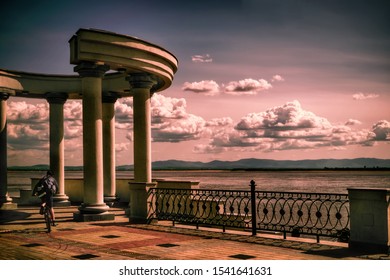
[124, 113]
[277, 78]
[73, 147]
[172, 123]
[364, 96]
[290, 116]
[285, 127]
[170, 120]
[23, 112]
[220, 122]
[177, 130]
[207, 87]
[243, 87]
[381, 130]
[73, 110]
[121, 147]
[290, 127]
[167, 108]
[28, 126]
[202, 58]
[73, 126]
[247, 87]
[353, 122]
[27, 136]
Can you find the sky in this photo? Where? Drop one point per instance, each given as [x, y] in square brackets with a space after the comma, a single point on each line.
[272, 79]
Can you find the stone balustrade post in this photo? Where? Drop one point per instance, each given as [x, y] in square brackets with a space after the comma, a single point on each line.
[369, 219]
[57, 157]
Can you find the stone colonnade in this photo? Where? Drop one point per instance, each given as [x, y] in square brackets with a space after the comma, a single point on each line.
[143, 68]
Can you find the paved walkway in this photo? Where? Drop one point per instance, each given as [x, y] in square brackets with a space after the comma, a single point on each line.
[23, 237]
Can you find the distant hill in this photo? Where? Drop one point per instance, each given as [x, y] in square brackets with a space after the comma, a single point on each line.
[38, 167]
[248, 164]
[252, 163]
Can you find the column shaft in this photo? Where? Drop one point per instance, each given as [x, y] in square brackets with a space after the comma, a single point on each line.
[92, 140]
[109, 163]
[5, 200]
[141, 89]
[142, 136]
[57, 155]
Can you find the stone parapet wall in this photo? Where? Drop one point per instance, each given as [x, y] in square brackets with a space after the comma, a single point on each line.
[74, 189]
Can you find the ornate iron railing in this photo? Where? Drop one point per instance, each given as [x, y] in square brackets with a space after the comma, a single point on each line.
[318, 214]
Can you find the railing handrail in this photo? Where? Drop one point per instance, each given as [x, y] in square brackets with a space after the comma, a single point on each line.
[257, 191]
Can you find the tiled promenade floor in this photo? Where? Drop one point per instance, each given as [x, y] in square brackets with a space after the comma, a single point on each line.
[23, 237]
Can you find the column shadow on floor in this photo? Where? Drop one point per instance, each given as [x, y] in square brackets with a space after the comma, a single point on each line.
[7, 216]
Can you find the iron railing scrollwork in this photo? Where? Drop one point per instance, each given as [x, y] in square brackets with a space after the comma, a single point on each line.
[318, 214]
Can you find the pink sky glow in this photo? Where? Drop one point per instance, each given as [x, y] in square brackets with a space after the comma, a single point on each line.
[255, 80]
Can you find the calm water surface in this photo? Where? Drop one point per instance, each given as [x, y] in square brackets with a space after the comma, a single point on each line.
[301, 181]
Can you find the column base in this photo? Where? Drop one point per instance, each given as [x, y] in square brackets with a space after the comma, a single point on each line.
[93, 212]
[61, 200]
[99, 208]
[8, 206]
[83, 217]
[6, 203]
[110, 200]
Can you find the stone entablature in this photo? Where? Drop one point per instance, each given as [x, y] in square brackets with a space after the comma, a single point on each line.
[123, 53]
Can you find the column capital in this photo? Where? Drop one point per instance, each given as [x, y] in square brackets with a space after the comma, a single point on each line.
[4, 96]
[91, 69]
[56, 97]
[142, 80]
[109, 97]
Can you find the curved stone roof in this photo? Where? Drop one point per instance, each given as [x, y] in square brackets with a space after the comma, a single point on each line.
[122, 53]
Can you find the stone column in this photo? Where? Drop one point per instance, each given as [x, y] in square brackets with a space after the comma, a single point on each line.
[93, 208]
[141, 87]
[57, 159]
[5, 200]
[109, 163]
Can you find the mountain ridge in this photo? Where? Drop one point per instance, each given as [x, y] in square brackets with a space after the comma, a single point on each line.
[247, 164]
[253, 163]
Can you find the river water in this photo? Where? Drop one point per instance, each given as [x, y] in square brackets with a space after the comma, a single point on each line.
[318, 181]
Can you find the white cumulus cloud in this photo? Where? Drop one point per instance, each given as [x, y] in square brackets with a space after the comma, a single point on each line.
[381, 130]
[202, 58]
[207, 87]
[277, 78]
[247, 87]
[364, 96]
[24, 112]
[290, 127]
[353, 122]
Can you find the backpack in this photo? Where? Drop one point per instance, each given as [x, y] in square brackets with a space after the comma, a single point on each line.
[39, 189]
[50, 184]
